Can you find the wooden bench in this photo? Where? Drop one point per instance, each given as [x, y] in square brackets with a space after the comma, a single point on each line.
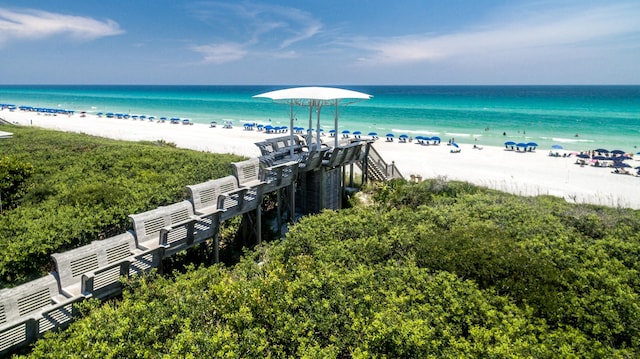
[354, 154]
[252, 173]
[279, 175]
[223, 196]
[94, 270]
[341, 155]
[248, 173]
[279, 147]
[29, 310]
[312, 160]
[171, 228]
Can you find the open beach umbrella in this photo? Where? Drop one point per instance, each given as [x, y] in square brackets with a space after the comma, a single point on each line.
[357, 132]
[372, 134]
[620, 164]
[620, 158]
[346, 132]
[600, 158]
[509, 143]
[557, 147]
[583, 155]
[601, 150]
[618, 152]
[532, 144]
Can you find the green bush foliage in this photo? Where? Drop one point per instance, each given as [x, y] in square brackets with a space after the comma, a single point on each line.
[14, 177]
[79, 187]
[437, 269]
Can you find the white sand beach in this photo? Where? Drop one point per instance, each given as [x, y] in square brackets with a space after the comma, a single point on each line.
[531, 173]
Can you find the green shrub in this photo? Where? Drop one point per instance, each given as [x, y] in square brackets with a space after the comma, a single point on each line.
[75, 188]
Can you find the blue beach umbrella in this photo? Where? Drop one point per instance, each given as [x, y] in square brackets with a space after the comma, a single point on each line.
[557, 147]
[375, 134]
[618, 152]
[390, 135]
[620, 164]
[455, 145]
[509, 143]
[583, 155]
[403, 136]
[346, 132]
[357, 132]
[620, 158]
[601, 150]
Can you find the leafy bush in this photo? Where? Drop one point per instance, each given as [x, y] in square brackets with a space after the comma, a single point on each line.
[14, 176]
[79, 187]
[474, 273]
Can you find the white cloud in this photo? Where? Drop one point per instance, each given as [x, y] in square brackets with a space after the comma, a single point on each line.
[221, 53]
[29, 24]
[555, 28]
[253, 28]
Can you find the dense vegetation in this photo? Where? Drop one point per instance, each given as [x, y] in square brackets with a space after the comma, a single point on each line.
[61, 190]
[437, 269]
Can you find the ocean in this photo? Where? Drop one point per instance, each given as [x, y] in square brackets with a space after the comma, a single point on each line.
[575, 117]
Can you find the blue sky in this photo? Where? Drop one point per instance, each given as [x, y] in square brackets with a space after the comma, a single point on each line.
[330, 42]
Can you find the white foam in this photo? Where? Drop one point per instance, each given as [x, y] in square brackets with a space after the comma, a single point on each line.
[570, 140]
[458, 134]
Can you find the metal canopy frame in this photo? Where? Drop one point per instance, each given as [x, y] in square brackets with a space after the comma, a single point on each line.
[314, 97]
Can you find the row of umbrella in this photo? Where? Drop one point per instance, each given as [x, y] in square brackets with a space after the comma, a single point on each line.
[599, 151]
[55, 111]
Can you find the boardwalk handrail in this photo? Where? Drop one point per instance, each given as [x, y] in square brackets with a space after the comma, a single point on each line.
[378, 168]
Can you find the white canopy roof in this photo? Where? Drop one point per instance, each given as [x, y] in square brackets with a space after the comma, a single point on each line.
[317, 97]
[314, 93]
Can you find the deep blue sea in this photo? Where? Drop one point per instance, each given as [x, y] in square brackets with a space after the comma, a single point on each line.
[576, 117]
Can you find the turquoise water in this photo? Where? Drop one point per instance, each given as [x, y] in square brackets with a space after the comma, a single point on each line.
[576, 117]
